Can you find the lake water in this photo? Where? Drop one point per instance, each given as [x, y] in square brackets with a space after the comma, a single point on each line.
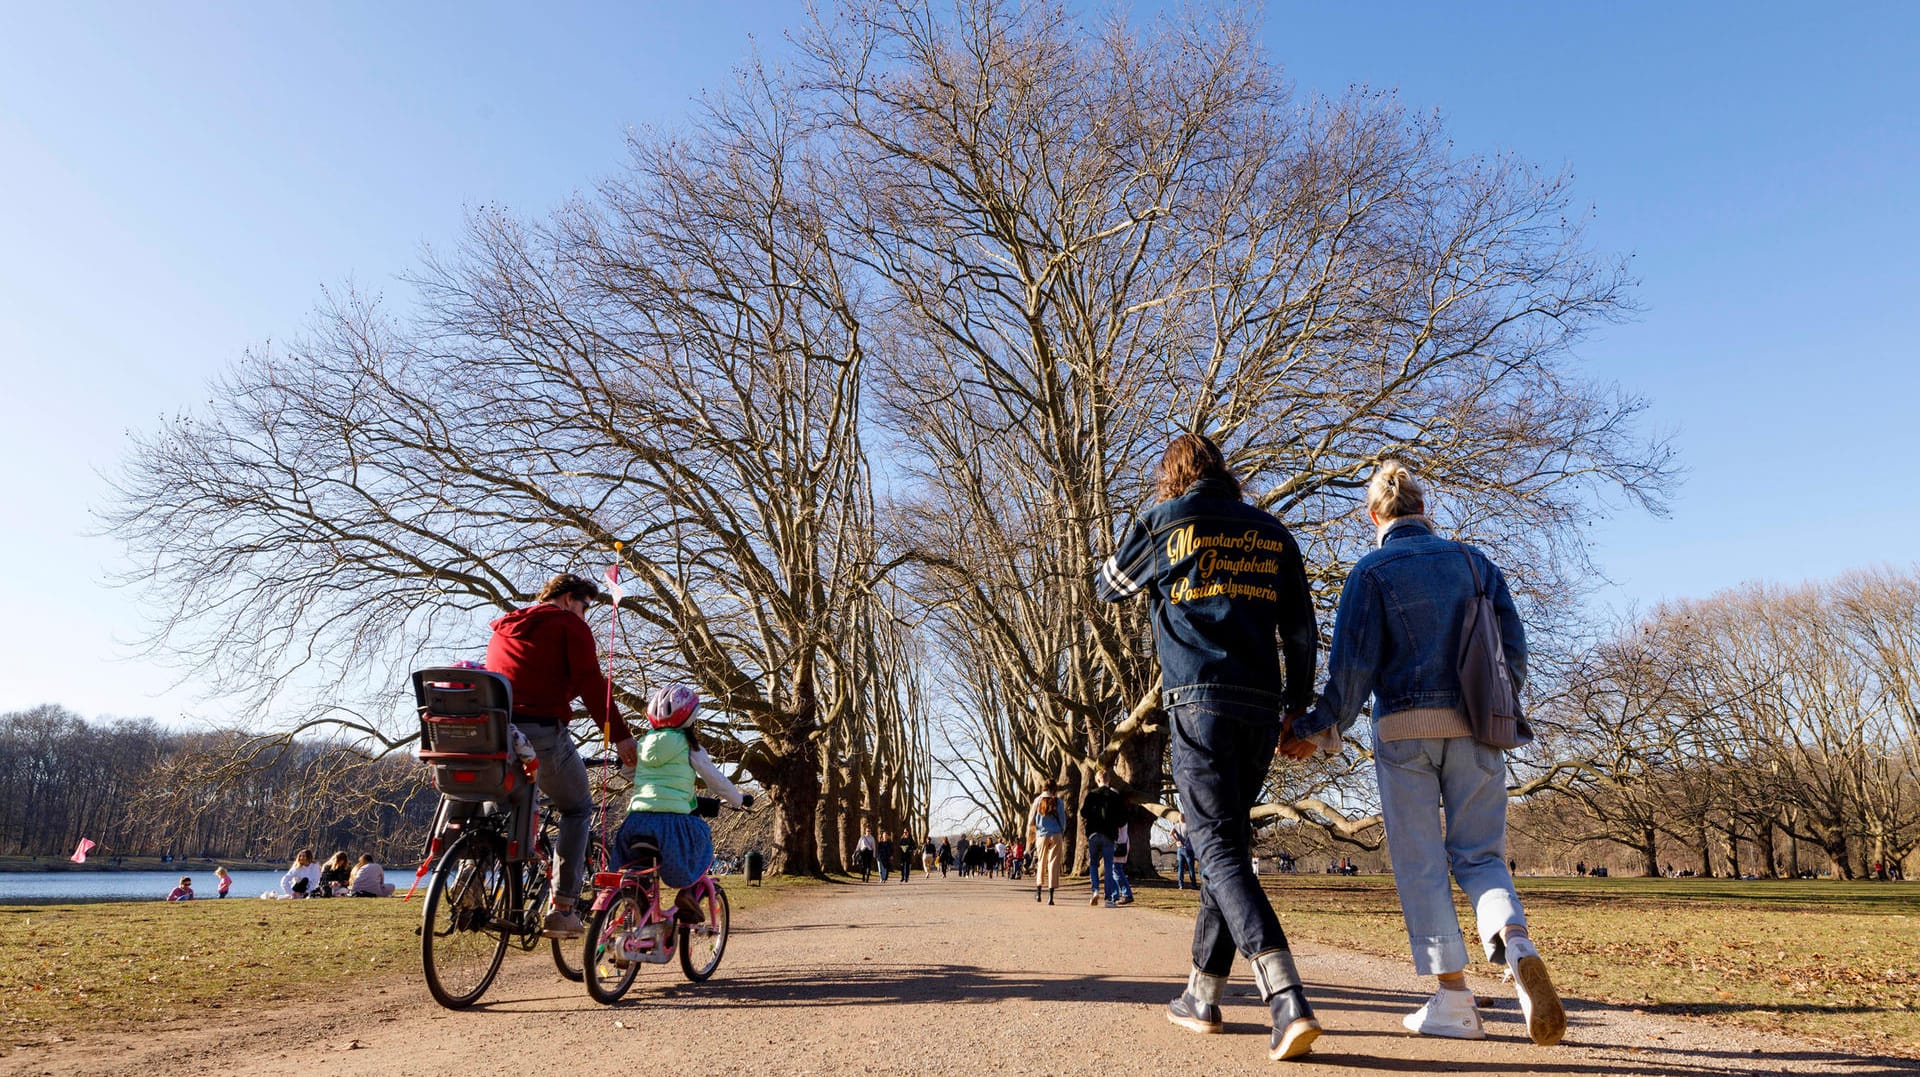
[48, 887]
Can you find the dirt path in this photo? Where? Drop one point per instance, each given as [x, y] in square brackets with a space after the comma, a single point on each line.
[933, 977]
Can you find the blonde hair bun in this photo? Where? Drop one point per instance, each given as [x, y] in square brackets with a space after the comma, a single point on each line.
[1394, 492]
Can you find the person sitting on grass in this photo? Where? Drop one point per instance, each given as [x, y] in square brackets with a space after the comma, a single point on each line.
[333, 876]
[369, 879]
[300, 880]
[667, 761]
[183, 892]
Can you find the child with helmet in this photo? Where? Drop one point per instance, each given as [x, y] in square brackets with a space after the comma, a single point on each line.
[668, 760]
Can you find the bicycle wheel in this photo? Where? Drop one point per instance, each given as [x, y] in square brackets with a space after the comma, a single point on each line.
[608, 974]
[702, 944]
[569, 955]
[462, 938]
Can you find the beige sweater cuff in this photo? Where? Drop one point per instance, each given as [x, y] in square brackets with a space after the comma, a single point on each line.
[1438, 722]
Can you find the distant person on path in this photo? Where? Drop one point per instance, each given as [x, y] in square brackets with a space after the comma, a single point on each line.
[1047, 836]
[1122, 841]
[226, 881]
[946, 856]
[885, 854]
[928, 855]
[1183, 857]
[546, 651]
[863, 854]
[1104, 811]
[1229, 594]
[183, 892]
[908, 850]
[960, 850]
[1397, 639]
[370, 879]
[301, 879]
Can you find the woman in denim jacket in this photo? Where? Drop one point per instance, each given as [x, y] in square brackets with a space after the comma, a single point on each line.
[1397, 638]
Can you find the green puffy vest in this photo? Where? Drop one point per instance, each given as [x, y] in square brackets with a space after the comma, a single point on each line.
[663, 774]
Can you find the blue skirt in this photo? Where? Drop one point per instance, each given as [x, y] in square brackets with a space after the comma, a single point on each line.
[686, 845]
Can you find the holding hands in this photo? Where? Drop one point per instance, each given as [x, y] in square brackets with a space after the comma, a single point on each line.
[1291, 746]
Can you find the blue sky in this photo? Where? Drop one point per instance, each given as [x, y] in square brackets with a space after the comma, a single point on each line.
[177, 186]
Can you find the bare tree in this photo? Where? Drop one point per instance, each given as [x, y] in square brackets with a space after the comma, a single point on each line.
[1093, 239]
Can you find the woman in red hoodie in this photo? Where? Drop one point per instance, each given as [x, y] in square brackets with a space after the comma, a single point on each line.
[546, 652]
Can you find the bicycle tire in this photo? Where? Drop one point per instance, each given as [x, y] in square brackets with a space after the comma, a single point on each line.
[607, 978]
[569, 955]
[710, 933]
[462, 940]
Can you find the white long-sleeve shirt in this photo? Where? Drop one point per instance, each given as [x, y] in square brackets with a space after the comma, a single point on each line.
[715, 781]
[309, 872]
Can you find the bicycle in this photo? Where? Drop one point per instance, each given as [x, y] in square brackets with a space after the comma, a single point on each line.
[480, 901]
[630, 928]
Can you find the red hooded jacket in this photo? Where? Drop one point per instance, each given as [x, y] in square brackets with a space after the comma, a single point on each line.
[547, 654]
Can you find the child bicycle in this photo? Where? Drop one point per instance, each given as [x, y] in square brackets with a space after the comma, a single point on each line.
[631, 928]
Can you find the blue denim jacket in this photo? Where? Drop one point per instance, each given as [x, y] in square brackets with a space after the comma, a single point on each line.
[1397, 635]
[1230, 600]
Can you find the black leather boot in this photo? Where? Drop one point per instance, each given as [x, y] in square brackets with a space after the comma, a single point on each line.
[1198, 1007]
[1294, 1026]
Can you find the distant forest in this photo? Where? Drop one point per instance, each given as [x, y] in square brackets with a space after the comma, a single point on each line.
[138, 790]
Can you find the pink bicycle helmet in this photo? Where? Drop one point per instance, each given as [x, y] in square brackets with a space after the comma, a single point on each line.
[672, 706]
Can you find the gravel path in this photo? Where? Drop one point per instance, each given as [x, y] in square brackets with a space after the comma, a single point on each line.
[931, 977]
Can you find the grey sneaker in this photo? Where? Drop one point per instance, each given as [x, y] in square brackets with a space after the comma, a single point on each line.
[563, 924]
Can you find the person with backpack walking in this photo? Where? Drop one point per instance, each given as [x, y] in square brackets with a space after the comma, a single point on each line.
[1229, 600]
[1105, 812]
[1401, 636]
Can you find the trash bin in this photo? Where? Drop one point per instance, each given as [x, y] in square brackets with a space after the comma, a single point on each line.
[756, 864]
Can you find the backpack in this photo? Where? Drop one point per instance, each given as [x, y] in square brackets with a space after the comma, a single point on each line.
[1486, 684]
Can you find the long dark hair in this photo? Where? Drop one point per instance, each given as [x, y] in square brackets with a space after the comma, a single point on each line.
[1188, 459]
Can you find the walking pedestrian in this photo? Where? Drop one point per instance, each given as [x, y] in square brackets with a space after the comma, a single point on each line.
[908, 850]
[946, 856]
[1183, 857]
[885, 854]
[1121, 845]
[1397, 638]
[1226, 582]
[1104, 812]
[863, 854]
[1047, 834]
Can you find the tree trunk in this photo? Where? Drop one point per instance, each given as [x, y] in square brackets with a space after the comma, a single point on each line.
[794, 788]
[1650, 852]
[827, 824]
[1139, 766]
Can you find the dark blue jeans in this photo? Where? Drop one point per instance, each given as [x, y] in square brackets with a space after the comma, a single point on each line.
[1221, 754]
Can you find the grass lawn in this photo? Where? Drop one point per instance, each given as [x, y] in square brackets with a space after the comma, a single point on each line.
[1829, 961]
[115, 966]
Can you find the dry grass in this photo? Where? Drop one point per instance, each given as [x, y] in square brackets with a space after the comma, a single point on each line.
[119, 966]
[1837, 963]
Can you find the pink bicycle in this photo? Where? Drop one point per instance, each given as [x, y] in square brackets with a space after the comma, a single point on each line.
[631, 928]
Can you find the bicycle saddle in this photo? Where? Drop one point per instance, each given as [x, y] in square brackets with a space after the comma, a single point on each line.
[642, 852]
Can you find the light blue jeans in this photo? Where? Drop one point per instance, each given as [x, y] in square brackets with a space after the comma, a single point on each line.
[1417, 779]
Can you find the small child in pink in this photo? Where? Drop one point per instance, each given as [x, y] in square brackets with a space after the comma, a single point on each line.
[226, 881]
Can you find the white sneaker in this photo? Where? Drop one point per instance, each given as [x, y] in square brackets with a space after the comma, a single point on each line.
[1539, 1002]
[1448, 1013]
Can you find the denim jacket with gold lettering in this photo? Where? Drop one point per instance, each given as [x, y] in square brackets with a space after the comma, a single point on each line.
[1229, 596]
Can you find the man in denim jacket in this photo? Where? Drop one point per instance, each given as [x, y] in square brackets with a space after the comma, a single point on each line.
[1230, 597]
